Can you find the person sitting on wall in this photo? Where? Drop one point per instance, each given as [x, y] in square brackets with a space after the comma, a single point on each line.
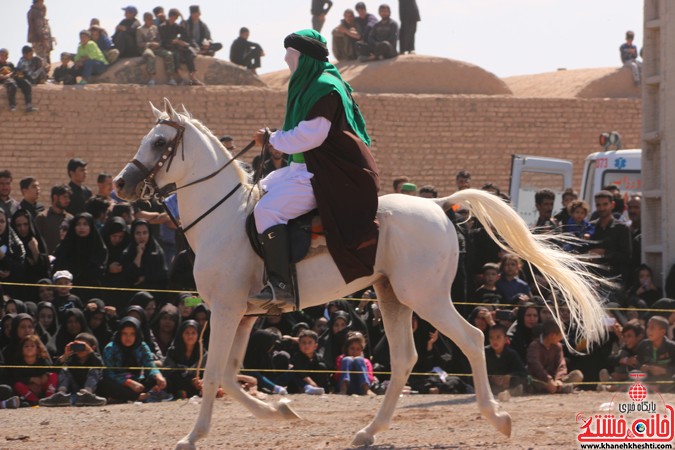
[89, 59]
[125, 33]
[200, 35]
[345, 37]
[11, 83]
[31, 67]
[381, 40]
[246, 53]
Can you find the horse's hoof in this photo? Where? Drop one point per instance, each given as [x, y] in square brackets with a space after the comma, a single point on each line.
[502, 422]
[363, 439]
[185, 444]
[286, 412]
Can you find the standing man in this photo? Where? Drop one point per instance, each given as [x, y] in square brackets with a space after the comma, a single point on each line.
[319, 10]
[611, 241]
[246, 53]
[105, 186]
[77, 172]
[48, 222]
[39, 32]
[410, 15]
[7, 203]
[30, 189]
[325, 134]
[463, 180]
[544, 199]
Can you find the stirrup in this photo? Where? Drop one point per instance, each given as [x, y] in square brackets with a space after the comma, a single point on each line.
[267, 303]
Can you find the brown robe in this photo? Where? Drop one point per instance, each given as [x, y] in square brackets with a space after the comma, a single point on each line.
[345, 183]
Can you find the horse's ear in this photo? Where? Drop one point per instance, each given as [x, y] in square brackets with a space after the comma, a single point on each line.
[157, 113]
[185, 111]
[170, 111]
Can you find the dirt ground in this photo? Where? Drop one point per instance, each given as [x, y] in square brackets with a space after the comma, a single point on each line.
[329, 422]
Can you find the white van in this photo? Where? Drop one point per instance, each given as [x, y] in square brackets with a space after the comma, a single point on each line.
[532, 173]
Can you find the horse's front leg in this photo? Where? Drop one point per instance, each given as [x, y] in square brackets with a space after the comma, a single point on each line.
[258, 408]
[223, 330]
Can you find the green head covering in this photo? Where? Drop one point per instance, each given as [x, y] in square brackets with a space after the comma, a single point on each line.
[314, 79]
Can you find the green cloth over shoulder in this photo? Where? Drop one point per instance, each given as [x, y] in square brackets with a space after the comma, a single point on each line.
[312, 80]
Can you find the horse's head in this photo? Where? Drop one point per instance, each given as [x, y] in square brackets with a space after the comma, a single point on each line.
[160, 159]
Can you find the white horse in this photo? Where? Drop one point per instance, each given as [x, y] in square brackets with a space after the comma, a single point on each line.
[414, 269]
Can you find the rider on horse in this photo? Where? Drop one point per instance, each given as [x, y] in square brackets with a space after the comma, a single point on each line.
[331, 168]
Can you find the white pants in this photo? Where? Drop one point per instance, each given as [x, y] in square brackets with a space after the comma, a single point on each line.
[289, 195]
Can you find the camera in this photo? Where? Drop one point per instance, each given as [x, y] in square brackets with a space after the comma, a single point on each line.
[77, 347]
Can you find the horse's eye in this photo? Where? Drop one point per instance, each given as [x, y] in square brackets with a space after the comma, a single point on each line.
[160, 142]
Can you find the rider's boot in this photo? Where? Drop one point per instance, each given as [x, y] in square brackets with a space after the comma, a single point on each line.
[277, 295]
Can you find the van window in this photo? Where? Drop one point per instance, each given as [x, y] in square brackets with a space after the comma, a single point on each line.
[588, 184]
[628, 181]
[530, 183]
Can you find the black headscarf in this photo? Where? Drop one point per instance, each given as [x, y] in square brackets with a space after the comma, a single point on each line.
[31, 308]
[10, 351]
[141, 299]
[258, 354]
[46, 334]
[15, 254]
[520, 335]
[20, 305]
[129, 353]
[330, 344]
[32, 231]
[167, 310]
[63, 336]
[202, 308]
[147, 334]
[84, 257]
[112, 226]
[6, 322]
[177, 350]
[103, 333]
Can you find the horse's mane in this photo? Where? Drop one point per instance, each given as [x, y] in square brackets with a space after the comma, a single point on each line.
[241, 173]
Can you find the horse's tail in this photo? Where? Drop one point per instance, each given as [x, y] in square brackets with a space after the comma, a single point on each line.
[566, 273]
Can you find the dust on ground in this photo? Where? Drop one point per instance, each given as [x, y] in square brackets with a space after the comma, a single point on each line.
[329, 422]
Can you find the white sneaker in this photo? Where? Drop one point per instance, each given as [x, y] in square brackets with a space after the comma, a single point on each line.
[314, 390]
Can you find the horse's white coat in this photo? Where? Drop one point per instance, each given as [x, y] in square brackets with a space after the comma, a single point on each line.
[415, 266]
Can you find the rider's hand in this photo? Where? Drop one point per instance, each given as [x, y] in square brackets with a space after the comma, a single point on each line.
[259, 136]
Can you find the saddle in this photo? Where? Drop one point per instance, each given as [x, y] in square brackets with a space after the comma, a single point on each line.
[305, 233]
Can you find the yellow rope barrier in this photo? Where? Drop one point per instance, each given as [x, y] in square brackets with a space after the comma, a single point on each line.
[193, 369]
[353, 299]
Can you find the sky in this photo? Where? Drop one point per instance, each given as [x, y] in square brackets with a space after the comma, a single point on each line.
[505, 37]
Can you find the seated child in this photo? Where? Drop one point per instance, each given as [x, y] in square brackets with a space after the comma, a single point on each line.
[184, 354]
[546, 363]
[488, 293]
[506, 370]
[65, 73]
[578, 226]
[656, 354]
[127, 349]
[356, 372]
[307, 359]
[509, 285]
[625, 359]
[81, 352]
[32, 384]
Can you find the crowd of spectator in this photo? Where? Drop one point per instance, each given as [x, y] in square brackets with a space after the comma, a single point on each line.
[91, 281]
[178, 41]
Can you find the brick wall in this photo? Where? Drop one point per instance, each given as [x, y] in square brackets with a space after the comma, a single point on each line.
[427, 137]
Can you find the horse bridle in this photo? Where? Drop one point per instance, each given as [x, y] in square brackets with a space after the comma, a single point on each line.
[150, 187]
[166, 158]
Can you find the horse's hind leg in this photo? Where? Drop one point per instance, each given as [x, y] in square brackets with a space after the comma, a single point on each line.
[444, 316]
[397, 320]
